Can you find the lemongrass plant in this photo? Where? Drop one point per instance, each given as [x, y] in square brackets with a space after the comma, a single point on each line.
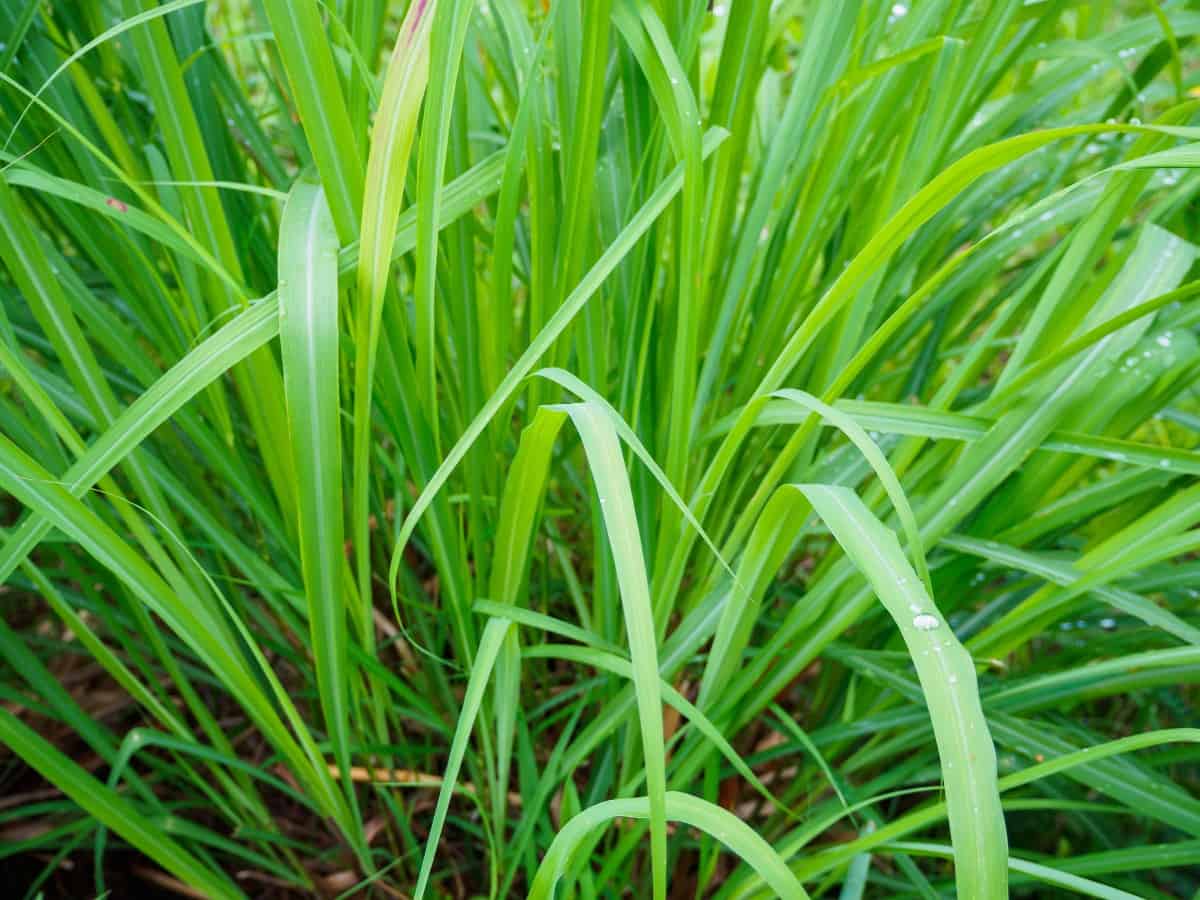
[596, 448]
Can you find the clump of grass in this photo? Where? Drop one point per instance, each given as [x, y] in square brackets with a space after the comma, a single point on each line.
[579, 449]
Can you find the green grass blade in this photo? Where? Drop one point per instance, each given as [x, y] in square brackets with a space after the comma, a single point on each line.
[607, 468]
[481, 672]
[448, 21]
[708, 817]
[1064, 574]
[1046, 874]
[308, 337]
[387, 169]
[308, 59]
[948, 680]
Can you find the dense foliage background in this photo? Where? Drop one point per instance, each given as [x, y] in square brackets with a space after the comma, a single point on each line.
[654, 449]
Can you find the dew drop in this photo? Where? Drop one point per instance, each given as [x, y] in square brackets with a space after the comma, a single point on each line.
[899, 10]
[925, 622]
